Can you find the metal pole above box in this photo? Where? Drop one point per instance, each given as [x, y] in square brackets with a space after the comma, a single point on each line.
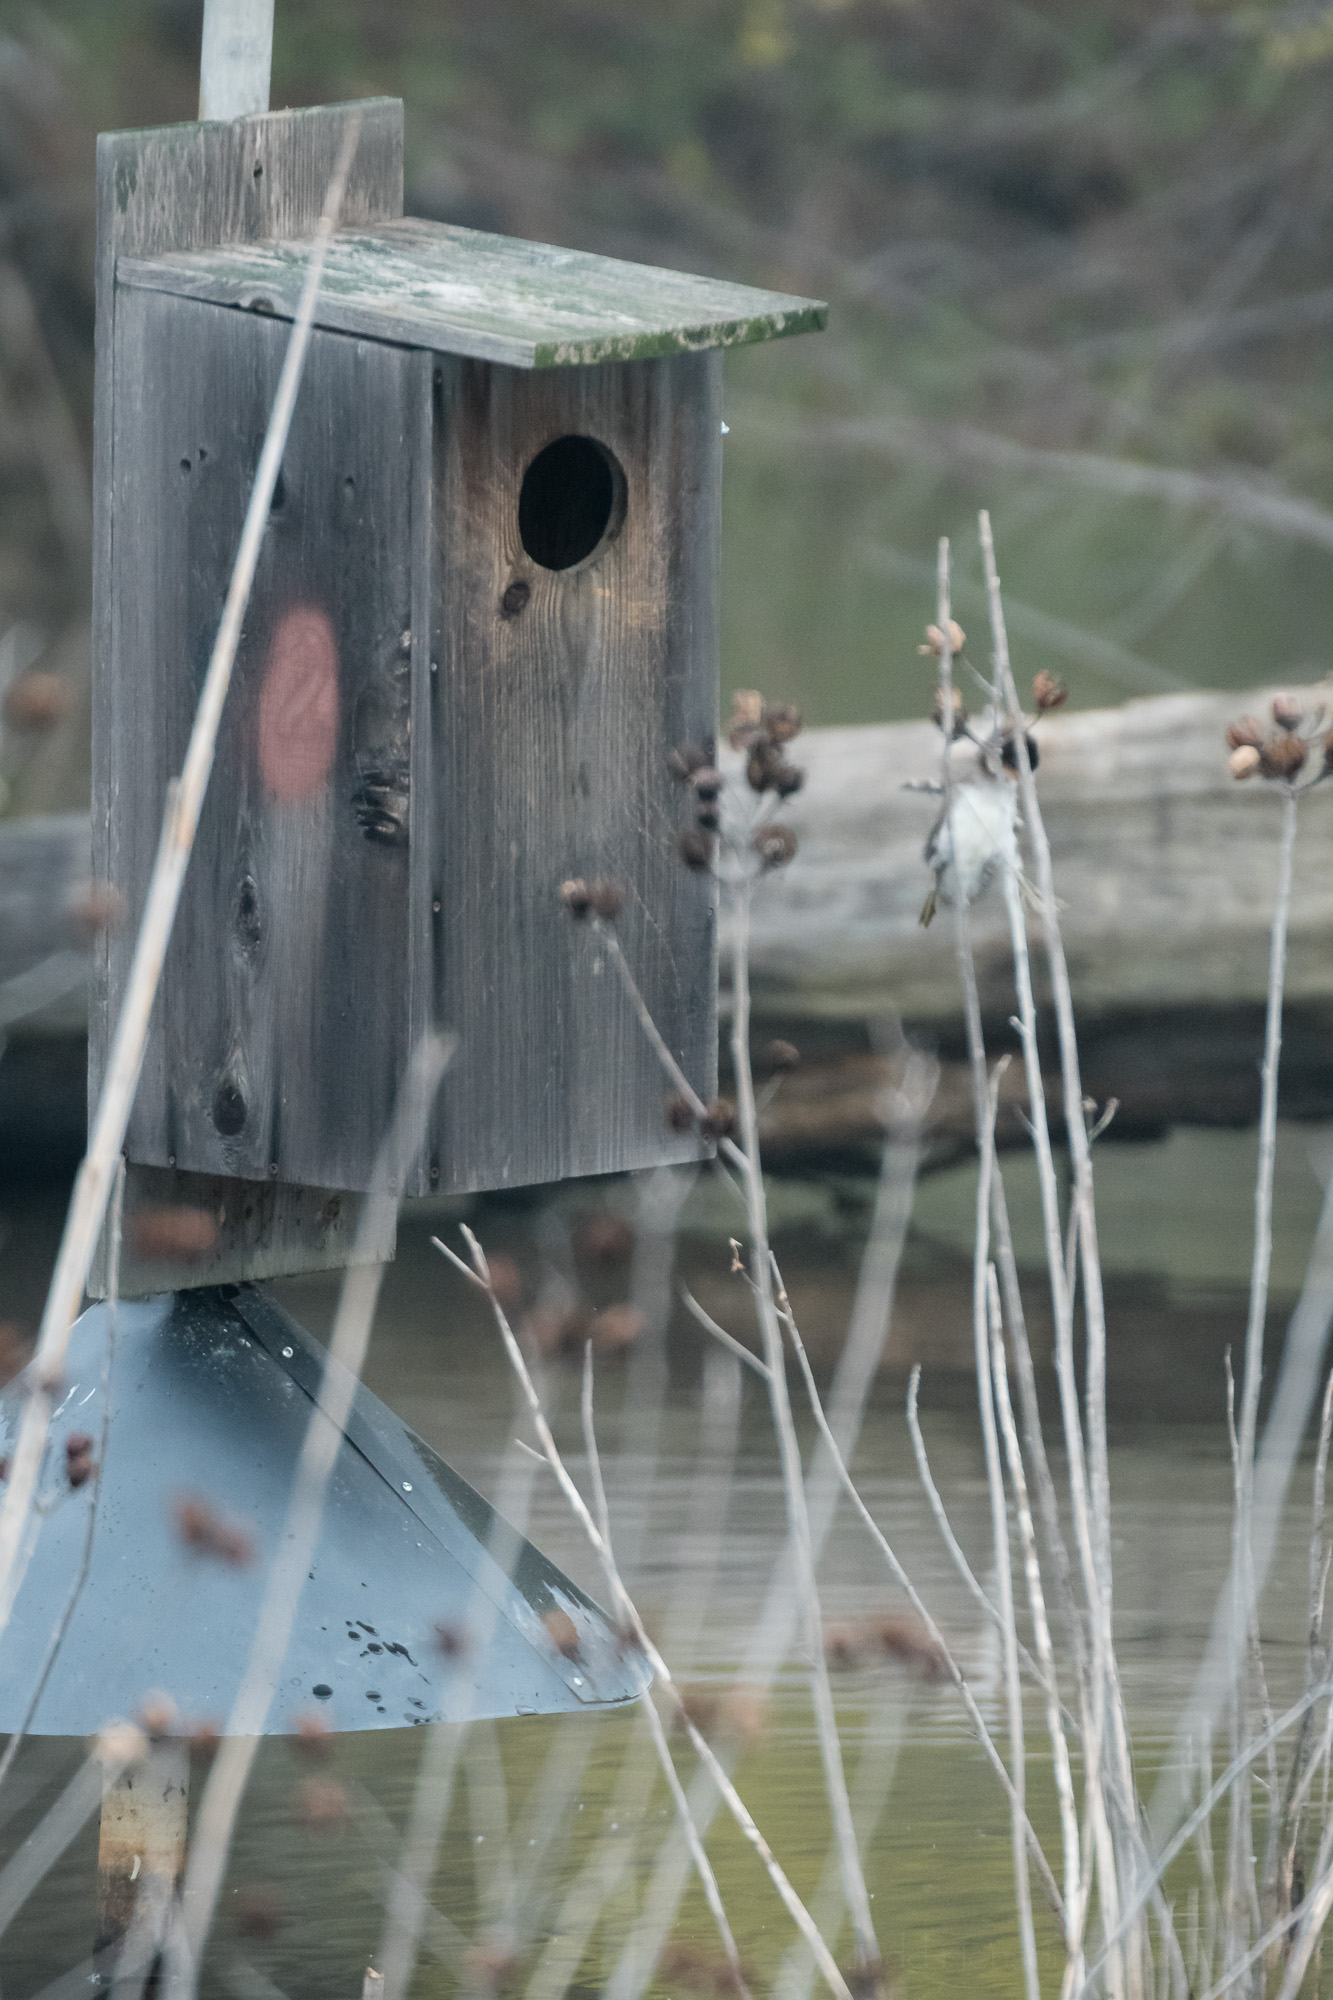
[485, 612]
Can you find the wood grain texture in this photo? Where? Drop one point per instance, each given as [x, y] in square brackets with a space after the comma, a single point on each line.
[279, 1038]
[270, 1227]
[181, 188]
[492, 298]
[541, 744]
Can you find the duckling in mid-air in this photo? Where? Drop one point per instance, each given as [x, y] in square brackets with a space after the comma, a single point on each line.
[975, 834]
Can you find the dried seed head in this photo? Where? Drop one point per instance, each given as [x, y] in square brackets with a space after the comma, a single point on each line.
[775, 845]
[1009, 752]
[689, 758]
[604, 1238]
[78, 1458]
[1244, 761]
[95, 908]
[782, 723]
[452, 1642]
[747, 706]
[844, 1646]
[186, 1233]
[120, 1743]
[708, 819]
[719, 1119]
[707, 782]
[607, 897]
[1246, 730]
[204, 1739]
[935, 639]
[763, 764]
[615, 1328]
[506, 1281]
[204, 1530]
[788, 780]
[1287, 712]
[576, 897]
[488, 1966]
[1282, 757]
[695, 848]
[736, 1714]
[780, 1056]
[157, 1713]
[937, 709]
[680, 1113]
[563, 1633]
[910, 1641]
[1048, 692]
[323, 1804]
[15, 1351]
[257, 1913]
[312, 1737]
[556, 1329]
[36, 701]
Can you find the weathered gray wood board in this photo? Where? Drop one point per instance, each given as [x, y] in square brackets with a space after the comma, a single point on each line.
[181, 188]
[494, 298]
[558, 696]
[263, 1225]
[280, 1033]
[1165, 866]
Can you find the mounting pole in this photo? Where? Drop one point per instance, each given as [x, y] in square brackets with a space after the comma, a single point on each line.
[236, 58]
[140, 1862]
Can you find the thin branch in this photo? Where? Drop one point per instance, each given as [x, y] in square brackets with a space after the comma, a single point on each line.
[738, 1809]
[61, 1626]
[703, 1866]
[180, 823]
[720, 1334]
[338, 1386]
[918, 1605]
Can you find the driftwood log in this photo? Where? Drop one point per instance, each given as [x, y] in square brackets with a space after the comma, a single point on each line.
[1165, 867]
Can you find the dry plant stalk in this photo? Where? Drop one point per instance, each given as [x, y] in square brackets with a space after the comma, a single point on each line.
[341, 1378]
[180, 823]
[478, 1273]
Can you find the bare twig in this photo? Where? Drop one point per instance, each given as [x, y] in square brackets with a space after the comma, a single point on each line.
[720, 1334]
[180, 823]
[984, 1333]
[918, 1604]
[328, 1420]
[61, 1626]
[739, 1811]
[798, 1518]
[703, 1866]
[1064, 1780]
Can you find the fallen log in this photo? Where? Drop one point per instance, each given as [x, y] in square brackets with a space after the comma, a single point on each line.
[1165, 867]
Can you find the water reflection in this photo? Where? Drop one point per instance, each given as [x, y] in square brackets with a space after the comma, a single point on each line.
[556, 1827]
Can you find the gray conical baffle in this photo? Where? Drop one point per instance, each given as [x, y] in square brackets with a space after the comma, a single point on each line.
[210, 1395]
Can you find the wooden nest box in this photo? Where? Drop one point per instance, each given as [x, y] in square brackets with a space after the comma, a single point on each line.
[485, 611]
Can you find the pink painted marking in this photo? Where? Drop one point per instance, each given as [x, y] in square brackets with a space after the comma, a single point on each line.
[298, 708]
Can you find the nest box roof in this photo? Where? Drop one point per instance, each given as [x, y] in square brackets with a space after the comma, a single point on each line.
[495, 298]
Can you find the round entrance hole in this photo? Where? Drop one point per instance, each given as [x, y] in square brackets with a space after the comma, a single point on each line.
[571, 502]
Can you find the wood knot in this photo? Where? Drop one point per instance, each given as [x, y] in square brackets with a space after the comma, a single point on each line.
[230, 1109]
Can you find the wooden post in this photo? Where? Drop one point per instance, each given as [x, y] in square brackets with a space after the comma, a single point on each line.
[140, 1859]
[235, 58]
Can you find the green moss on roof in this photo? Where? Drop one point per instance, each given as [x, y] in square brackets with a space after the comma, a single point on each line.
[462, 291]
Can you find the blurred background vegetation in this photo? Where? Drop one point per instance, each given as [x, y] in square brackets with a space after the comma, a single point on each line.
[1079, 256]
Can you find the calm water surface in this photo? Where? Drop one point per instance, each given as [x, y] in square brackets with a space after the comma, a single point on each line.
[557, 1825]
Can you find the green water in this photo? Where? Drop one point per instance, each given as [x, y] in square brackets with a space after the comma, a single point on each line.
[938, 1858]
